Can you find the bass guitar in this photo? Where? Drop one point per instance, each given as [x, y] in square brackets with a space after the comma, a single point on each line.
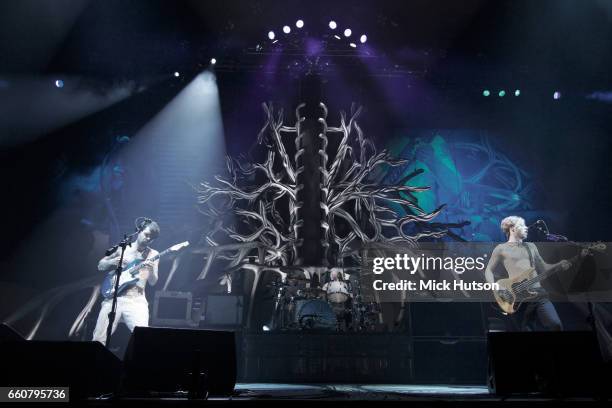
[513, 291]
[129, 275]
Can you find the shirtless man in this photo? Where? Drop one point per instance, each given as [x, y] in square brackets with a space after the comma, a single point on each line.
[132, 306]
[339, 297]
[518, 256]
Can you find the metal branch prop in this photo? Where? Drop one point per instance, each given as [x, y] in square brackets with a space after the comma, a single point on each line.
[266, 198]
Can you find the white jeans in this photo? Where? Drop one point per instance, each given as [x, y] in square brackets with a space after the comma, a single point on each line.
[132, 310]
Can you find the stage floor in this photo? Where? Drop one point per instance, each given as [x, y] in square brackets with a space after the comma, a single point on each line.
[359, 392]
[276, 393]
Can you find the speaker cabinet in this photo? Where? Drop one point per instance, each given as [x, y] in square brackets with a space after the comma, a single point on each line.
[170, 360]
[551, 363]
[88, 368]
[450, 361]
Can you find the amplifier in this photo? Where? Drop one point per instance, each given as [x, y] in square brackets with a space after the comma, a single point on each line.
[173, 309]
[222, 311]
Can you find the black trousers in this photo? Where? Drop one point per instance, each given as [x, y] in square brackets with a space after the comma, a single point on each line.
[538, 314]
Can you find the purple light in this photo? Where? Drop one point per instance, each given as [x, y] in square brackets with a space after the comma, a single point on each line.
[557, 95]
[286, 29]
[363, 38]
[336, 36]
[333, 25]
[353, 45]
[313, 47]
[299, 23]
[271, 35]
[347, 32]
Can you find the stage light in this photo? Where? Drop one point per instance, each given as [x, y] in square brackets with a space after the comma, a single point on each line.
[333, 25]
[271, 35]
[486, 92]
[502, 93]
[265, 328]
[59, 83]
[299, 23]
[347, 32]
[517, 92]
[363, 38]
[557, 95]
[177, 74]
[213, 61]
[286, 29]
[353, 45]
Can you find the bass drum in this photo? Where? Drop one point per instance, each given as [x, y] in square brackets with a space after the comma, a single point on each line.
[314, 314]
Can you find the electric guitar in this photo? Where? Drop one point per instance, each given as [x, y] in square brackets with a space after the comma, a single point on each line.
[513, 291]
[129, 275]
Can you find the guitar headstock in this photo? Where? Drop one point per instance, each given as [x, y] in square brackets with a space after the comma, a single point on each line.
[178, 247]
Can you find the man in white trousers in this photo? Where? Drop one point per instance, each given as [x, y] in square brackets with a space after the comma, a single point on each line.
[132, 306]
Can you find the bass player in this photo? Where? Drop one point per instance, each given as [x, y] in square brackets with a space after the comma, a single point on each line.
[517, 256]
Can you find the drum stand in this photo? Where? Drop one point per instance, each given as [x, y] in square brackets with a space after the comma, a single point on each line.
[280, 295]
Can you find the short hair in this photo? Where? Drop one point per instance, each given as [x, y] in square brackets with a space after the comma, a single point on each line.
[155, 230]
[152, 225]
[510, 222]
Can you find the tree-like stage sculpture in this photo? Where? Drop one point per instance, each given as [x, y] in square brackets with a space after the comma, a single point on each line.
[314, 203]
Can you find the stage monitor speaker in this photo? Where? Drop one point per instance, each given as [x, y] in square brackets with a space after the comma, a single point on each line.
[165, 360]
[550, 363]
[88, 368]
[7, 333]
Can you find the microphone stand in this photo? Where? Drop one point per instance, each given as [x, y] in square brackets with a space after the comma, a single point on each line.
[125, 242]
[590, 318]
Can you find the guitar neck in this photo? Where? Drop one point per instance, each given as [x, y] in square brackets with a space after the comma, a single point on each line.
[141, 264]
[541, 276]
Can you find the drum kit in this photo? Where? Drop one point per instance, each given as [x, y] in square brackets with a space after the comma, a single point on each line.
[335, 306]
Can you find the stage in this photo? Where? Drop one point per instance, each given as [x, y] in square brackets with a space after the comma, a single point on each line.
[277, 394]
[293, 201]
[374, 392]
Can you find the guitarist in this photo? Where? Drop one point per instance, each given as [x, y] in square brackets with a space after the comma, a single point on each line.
[517, 256]
[132, 306]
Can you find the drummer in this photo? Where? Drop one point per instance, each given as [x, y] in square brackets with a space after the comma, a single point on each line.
[335, 275]
[339, 297]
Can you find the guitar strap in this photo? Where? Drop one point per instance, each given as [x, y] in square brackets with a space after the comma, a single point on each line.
[531, 261]
[145, 253]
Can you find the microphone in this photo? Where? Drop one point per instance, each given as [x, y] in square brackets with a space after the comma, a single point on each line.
[540, 225]
[549, 237]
